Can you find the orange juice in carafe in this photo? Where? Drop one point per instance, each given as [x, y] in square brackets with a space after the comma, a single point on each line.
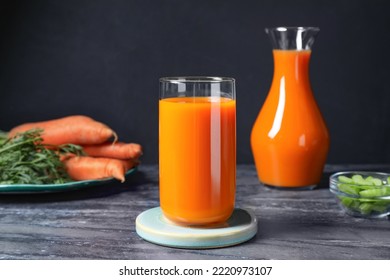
[289, 139]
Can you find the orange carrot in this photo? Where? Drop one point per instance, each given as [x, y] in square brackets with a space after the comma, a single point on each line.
[117, 150]
[89, 168]
[80, 130]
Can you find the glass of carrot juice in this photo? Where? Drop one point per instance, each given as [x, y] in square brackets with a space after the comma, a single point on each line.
[197, 149]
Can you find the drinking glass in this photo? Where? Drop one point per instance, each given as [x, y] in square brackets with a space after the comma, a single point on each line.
[197, 149]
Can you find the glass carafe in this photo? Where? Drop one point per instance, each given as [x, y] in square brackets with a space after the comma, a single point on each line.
[289, 139]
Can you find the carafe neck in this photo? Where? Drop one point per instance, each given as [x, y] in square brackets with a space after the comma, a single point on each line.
[292, 38]
[293, 65]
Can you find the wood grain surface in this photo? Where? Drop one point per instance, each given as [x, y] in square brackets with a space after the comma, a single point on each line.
[98, 223]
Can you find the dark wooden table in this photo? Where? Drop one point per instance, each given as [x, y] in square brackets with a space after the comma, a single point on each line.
[98, 223]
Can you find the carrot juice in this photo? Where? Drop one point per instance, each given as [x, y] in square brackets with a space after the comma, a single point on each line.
[197, 154]
[289, 139]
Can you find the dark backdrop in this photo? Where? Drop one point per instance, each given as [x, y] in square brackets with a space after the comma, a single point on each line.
[104, 58]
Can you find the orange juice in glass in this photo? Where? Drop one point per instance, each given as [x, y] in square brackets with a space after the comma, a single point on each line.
[197, 149]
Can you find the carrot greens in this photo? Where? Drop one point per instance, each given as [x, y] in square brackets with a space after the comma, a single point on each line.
[24, 159]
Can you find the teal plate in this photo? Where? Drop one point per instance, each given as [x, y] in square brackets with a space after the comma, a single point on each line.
[152, 226]
[49, 188]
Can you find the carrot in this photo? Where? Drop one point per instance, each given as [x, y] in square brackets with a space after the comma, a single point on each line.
[116, 150]
[79, 130]
[89, 168]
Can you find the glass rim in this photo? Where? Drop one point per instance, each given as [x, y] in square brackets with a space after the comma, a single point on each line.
[292, 28]
[196, 79]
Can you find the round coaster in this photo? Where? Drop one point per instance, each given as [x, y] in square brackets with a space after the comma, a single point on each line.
[152, 226]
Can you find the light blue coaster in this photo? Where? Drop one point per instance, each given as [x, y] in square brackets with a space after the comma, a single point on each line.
[152, 226]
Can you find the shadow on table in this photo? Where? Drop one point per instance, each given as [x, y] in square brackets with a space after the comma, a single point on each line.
[132, 184]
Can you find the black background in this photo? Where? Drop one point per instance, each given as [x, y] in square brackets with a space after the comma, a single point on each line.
[104, 58]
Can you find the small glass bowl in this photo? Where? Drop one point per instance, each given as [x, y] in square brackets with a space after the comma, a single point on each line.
[360, 200]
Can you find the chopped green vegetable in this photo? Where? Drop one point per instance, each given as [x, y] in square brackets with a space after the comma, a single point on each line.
[345, 179]
[375, 181]
[365, 208]
[379, 207]
[375, 192]
[349, 189]
[358, 179]
[346, 201]
[24, 159]
[351, 203]
[366, 193]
